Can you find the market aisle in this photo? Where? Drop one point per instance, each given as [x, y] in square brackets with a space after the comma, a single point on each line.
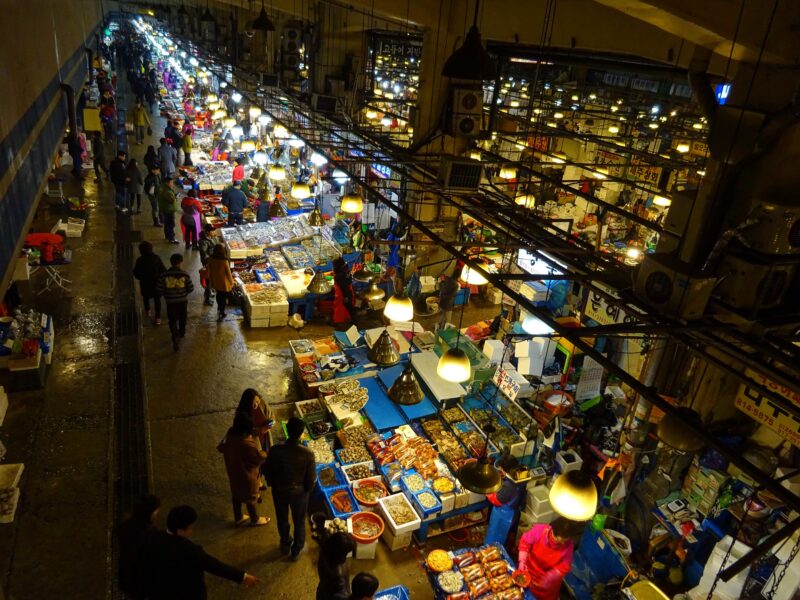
[61, 433]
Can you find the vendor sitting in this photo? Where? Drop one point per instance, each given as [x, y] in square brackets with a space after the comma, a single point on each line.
[545, 553]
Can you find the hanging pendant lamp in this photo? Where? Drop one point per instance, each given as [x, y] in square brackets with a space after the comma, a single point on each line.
[319, 284]
[399, 307]
[276, 210]
[362, 274]
[405, 390]
[277, 173]
[471, 61]
[207, 16]
[374, 292]
[480, 476]
[300, 191]
[454, 366]
[472, 277]
[673, 431]
[315, 218]
[263, 22]
[574, 496]
[533, 325]
[352, 203]
[383, 352]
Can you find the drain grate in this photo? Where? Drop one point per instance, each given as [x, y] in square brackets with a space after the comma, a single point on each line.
[126, 323]
[124, 253]
[131, 443]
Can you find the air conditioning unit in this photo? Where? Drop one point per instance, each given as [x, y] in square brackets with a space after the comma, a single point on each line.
[753, 283]
[325, 104]
[292, 38]
[672, 287]
[466, 111]
[777, 230]
[460, 174]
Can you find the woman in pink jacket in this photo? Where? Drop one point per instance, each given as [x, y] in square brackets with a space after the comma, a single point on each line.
[545, 553]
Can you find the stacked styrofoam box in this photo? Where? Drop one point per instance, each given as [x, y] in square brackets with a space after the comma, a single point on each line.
[525, 388]
[399, 535]
[723, 590]
[427, 284]
[268, 315]
[493, 349]
[537, 509]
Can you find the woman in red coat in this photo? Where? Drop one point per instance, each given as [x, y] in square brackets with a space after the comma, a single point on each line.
[545, 553]
[343, 294]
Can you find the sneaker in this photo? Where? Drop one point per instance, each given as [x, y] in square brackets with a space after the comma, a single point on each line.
[157, 322]
[261, 521]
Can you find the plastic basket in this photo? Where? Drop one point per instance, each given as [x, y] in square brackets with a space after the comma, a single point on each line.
[353, 502]
[426, 512]
[340, 479]
[397, 592]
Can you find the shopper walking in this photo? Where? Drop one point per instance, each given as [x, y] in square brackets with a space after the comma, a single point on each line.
[243, 458]
[220, 278]
[135, 184]
[150, 158]
[152, 183]
[175, 567]
[334, 576]
[119, 177]
[175, 285]
[448, 289]
[99, 156]
[207, 243]
[167, 158]
[343, 294]
[148, 269]
[140, 118]
[192, 210]
[291, 473]
[167, 205]
[132, 535]
[187, 144]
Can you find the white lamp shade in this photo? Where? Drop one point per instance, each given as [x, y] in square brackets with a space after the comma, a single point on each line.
[248, 145]
[301, 191]
[277, 173]
[533, 325]
[454, 366]
[229, 122]
[508, 172]
[526, 200]
[260, 157]
[399, 308]
[574, 496]
[353, 203]
[472, 277]
[255, 112]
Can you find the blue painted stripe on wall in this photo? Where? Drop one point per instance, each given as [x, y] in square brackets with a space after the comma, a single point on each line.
[22, 194]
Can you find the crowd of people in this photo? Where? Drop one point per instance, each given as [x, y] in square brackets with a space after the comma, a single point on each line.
[165, 564]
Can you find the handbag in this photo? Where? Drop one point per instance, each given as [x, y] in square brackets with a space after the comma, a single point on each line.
[203, 277]
[149, 130]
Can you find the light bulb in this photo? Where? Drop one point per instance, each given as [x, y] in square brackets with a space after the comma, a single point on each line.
[277, 173]
[558, 115]
[613, 129]
[533, 325]
[353, 203]
[472, 277]
[475, 155]
[248, 145]
[255, 112]
[633, 253]
[508, 172]
[683, 147]
[661, 201]
[399, 308]
[386, 121]
[301, 191]
[526, 200]
[454, 366]
[600, 174]
[236, 97]
[653, 125]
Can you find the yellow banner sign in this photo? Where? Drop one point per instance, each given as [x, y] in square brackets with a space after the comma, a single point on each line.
[766, 411]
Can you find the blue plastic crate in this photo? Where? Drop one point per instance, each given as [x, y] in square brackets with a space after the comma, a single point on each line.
[353, 502]
[266, 275]
[340, 480]
[404, 485]
[426, 512]
[462, 297]
[397, 592]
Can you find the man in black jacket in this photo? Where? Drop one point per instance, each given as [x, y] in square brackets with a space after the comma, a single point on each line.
[291, 472]
[174, 567]
[120, 180]
[175, 285]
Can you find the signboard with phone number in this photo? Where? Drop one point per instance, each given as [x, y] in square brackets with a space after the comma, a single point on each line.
[768, 412]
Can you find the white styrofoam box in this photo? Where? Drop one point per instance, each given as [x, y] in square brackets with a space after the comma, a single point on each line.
[474, 498]
[362, 551]
[493, 349]
[791, 577]
[569, 460]
[724, 590]
[461, 498]
[514, 375]
[394, 527]
[792, 483]
[539, 499]
[448, 501]
[395, 541]
[495, 296]
[279, 308]
[427, 284]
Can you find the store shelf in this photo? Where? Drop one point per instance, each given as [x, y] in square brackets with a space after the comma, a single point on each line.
[426, 408]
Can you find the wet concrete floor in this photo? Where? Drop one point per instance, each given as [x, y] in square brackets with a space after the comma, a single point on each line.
[60, 541]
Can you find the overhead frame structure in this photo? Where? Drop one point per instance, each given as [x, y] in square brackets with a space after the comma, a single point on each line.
[330, 139]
